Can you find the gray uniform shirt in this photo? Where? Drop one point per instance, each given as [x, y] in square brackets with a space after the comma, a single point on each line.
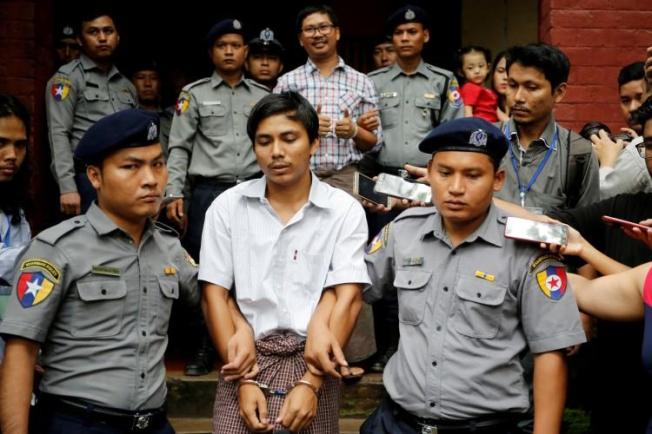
[100, 307]
[76, 97]
[466, 313]
[551, 189]
[209, 132]
[410, 106]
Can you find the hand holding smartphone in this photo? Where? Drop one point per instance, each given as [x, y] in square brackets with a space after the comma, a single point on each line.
[535, 231]
[363, 187]
[624, 223]
[399, 187]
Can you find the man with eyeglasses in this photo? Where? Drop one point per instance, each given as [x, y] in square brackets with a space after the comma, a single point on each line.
[339, 93]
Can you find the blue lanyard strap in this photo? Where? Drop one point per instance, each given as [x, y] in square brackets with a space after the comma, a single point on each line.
[6, 239]
[525, 189]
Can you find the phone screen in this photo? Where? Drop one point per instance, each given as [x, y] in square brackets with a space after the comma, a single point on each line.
[364, 187]
[399, 187]
[530, 230]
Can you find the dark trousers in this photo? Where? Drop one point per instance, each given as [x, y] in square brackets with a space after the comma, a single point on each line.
[389, 418]
[85, 190]
[53, 422]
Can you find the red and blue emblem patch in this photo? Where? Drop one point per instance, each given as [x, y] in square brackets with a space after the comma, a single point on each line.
[553, 282]
[33, 288]
[182, 103]
[60, 88]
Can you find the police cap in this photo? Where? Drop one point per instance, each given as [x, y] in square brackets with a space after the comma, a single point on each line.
[407, 14]
[266, 43]
[125, 129]
[466, 134]
[223, 27]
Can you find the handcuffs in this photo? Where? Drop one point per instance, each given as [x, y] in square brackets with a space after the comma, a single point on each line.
[271, 391]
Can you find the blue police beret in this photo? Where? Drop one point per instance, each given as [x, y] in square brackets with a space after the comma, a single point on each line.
[124, 129]
[266, 43]
[407, 14]
[222, 28]
[466, 134]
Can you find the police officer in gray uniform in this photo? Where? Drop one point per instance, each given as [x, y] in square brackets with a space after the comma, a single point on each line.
[209, 144]
[470, 301]
[79, 94]
[95, 294]
[414, 96]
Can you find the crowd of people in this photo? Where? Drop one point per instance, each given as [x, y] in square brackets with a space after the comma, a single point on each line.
[242, 202]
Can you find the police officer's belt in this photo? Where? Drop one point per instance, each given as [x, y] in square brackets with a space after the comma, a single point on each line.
[438, 426]
[221, 181]
[120, 419]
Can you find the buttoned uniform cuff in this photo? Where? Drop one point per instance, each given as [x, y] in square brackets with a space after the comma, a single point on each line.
[67, 185]
[558, 342]
[21, 330]
[347, 275]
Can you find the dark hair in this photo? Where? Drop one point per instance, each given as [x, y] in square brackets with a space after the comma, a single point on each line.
[316, 9]
[593, 127]
[93, 11]
[466, 50]
[13, 193]
[631, 72]
[644, 113]
[548, 59]
[494, 65]
[291, 104]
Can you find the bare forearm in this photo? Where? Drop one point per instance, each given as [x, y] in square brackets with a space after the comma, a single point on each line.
[365, 140]
[601, 262]
[16, 382]
[549, 391]
[345, 312]
[218, 317]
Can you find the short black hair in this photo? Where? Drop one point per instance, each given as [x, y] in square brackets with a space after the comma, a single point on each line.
[548, 59]
[93, 11]
[470, 49]
[644, 113]
[13, 194]
[316, 9]
[289, 103]
[631, 72]
[593, 127]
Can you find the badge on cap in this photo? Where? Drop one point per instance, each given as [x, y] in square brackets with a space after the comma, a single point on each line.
[410, 15]
[67, 31]
[478, 138]
[267, 36]
[237, 25]
[152, 132]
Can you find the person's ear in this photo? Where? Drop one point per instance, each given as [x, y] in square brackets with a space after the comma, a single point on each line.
[499, 180]
[426, 32]
[94, 174]
[559, 93]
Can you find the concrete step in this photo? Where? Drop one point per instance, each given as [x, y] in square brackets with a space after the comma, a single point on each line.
[205, 425]
[193, 397]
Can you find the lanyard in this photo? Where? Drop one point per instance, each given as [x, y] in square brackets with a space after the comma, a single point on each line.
[6, 239]
[523, 190]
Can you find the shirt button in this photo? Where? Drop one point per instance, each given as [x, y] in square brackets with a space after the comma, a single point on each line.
[407, 101]
[145, 290]
[438, 328]
[434, 363]
[238, 154]
[479, 295]
[103, 291]
[144, 333]
[406, 122]
[409, 282]
[454, 252]
[142, 375]
[432, 404]
[445, 288]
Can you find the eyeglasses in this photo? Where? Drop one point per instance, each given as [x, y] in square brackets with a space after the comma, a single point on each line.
[645, 149]
[323, 29]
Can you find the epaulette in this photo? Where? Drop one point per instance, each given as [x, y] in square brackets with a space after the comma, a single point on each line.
[379, 71]
[415, 212]
[69, 67]
[53, 234]
[258, 85]
[196, 83]
[443, 72]
[165, 229]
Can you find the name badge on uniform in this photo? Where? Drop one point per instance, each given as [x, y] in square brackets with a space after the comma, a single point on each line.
[429, 96]
[485, 276]
[211, 103]
[105, 271]
[413, 262]
[389, 94]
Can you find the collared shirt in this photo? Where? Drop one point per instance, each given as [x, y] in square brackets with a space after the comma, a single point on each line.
[100, 307]
[629, 174]
[410, 106]
[14, 238]
[552, 188]
[466, 313]
[279, 271]
[76, 97]
[344, 89]
[209, 132]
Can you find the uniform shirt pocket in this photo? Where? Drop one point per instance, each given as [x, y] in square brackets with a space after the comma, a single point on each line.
[427, 110]
[212, 120]
[97, 101]
[169, 292]
[411, 288]
[479, 307]
[99, 310]
[126, 100]
[390, 111]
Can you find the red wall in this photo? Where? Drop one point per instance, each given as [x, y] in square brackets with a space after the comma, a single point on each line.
[599, 37]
